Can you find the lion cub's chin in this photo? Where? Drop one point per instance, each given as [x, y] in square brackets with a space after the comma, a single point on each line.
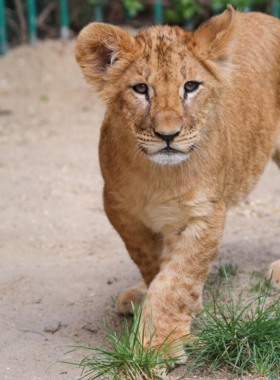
[169, 158]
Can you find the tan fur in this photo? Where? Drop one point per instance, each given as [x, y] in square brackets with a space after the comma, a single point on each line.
[273, 274]
[171, 214]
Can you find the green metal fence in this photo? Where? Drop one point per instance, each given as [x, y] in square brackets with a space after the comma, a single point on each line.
[98, 12]
[31, 21]
[3, 34]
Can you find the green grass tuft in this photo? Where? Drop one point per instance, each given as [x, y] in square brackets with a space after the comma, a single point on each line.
[124, 358]
[241, 339]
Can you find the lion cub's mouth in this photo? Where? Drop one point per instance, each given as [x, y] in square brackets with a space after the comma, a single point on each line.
[169, 155]
[168, 150]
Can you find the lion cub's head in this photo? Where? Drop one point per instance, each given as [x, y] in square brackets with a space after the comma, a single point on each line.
[162, 86]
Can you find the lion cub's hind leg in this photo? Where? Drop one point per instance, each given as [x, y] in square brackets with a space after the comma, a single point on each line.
[134, 294]
[273, 273]
[274, 268]
[276, 155]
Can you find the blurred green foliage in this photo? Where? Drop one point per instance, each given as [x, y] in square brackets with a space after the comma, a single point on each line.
[133, 7]
[182, 10]
[242, 5]
[188, 13]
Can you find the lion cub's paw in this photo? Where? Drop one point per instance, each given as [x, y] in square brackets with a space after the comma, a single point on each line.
[274, 273]
[133, 295]
[180, 356]
[177, 353]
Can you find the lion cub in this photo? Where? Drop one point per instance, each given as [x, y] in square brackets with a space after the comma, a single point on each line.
[192, 119]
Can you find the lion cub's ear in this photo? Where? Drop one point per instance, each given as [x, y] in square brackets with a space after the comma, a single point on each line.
[100, 47]
[214, 39]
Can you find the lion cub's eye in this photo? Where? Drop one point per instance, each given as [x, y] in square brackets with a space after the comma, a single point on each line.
[191, 86]
[141, 88]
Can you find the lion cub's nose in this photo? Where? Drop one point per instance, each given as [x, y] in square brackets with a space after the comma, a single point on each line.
[167, 137]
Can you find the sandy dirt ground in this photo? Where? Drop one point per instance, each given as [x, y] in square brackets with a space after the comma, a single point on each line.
[61, 261]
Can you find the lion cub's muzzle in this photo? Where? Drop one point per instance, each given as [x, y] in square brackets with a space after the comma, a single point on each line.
[167, 150]
[167, 143]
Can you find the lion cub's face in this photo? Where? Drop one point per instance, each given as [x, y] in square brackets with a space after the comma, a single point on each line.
[167, 95]
[160, 86]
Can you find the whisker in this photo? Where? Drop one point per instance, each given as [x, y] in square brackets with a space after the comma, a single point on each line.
[145, 143]
[186, 138]
[143, 139]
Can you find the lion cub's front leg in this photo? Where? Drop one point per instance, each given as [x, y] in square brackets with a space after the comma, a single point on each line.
[144, 247]
[175, 293]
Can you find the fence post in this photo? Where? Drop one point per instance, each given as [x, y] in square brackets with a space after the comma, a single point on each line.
[64, 19]
[31, 19]
[158, 12]
[3, 35]
[98, 11]
[275, 7]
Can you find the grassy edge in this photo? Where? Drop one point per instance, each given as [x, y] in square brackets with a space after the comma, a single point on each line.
[123, 355]
[244, 338]
[241, 337]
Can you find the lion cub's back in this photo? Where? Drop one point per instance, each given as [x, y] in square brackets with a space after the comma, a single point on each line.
[258, 45]
[251, 109]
